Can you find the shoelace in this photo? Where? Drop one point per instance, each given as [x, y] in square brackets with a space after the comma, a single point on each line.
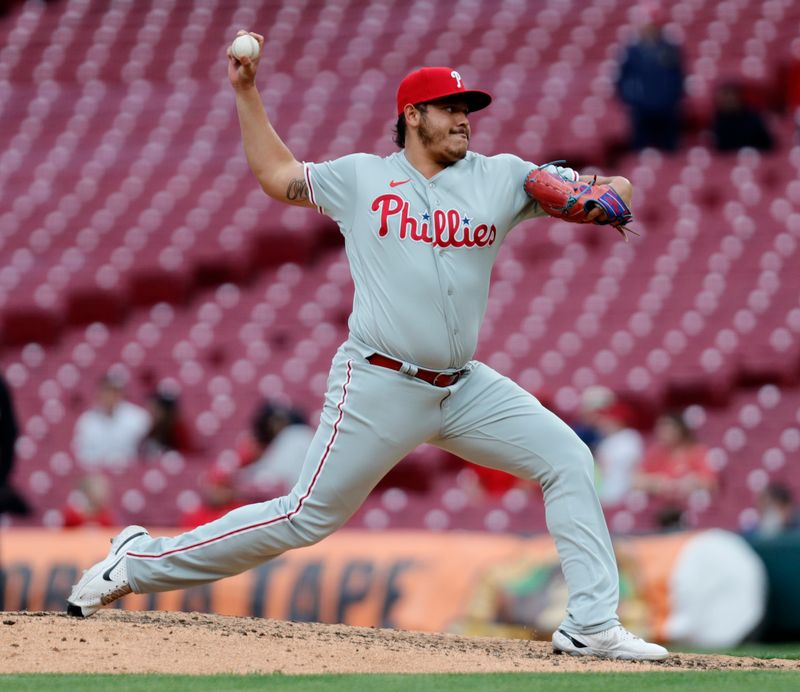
[626, 635]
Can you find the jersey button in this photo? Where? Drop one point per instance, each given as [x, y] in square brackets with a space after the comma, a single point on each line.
[432, 185]
[450, 291]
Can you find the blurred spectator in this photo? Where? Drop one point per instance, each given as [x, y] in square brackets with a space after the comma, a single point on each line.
[650, 84]
[494, 482]
[274, 453]
[587, 426]
[168, 431]
[736, 124]
[483, 484]
[219, 498]
[108, 435]
[618, 454]
[777, 512]
[90, 503]
[793, 80]
[675, 466]
[10, 500]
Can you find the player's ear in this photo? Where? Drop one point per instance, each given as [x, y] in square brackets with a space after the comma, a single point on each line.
[412, 115]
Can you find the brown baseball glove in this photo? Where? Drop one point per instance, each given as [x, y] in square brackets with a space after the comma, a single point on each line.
[574, 201]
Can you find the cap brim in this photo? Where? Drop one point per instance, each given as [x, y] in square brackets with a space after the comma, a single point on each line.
[476, 100]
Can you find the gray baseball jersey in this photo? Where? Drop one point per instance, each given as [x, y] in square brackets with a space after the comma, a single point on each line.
[420, 253]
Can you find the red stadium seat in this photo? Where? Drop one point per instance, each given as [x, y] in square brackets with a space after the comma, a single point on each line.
[127, 201]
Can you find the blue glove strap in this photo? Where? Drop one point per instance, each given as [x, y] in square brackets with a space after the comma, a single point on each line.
[615, 208]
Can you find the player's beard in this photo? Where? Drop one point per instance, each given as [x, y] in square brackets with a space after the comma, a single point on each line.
[438, 142]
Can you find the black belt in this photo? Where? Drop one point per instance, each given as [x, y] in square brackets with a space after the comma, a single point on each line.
[437, 379]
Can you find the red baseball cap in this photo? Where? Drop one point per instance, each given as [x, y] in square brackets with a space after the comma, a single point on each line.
[431, 83]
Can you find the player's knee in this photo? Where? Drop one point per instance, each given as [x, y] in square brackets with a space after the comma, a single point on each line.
[581, 457]
[309, 529]
[575, 463]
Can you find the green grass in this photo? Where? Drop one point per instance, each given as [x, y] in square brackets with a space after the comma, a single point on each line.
[788, 650]
[713, 681]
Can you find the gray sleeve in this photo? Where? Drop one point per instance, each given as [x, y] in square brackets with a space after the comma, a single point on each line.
[332, 187]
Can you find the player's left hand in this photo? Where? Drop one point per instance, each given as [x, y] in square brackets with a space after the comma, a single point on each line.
[590, 199]
[623, 188]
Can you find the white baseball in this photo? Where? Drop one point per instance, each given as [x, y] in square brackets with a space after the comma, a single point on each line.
[244, 46]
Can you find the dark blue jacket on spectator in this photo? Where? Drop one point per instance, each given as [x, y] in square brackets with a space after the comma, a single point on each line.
[651, 75]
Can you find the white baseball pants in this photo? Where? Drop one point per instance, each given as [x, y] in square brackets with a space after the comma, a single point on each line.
[372, 418]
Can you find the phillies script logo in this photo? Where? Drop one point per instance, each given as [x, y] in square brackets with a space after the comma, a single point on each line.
[448, 228]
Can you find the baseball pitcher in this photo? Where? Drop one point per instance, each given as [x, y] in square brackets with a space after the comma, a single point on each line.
[422, 228]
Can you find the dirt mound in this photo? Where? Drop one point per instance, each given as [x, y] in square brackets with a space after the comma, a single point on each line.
[117, 641]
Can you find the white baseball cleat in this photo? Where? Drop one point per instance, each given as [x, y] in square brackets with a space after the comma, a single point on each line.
[615, 642]
[106, 581]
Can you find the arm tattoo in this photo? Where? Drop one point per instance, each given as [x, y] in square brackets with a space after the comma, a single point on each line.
[297, 190]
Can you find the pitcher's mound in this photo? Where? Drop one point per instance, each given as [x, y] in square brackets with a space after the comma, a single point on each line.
[117, 641]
